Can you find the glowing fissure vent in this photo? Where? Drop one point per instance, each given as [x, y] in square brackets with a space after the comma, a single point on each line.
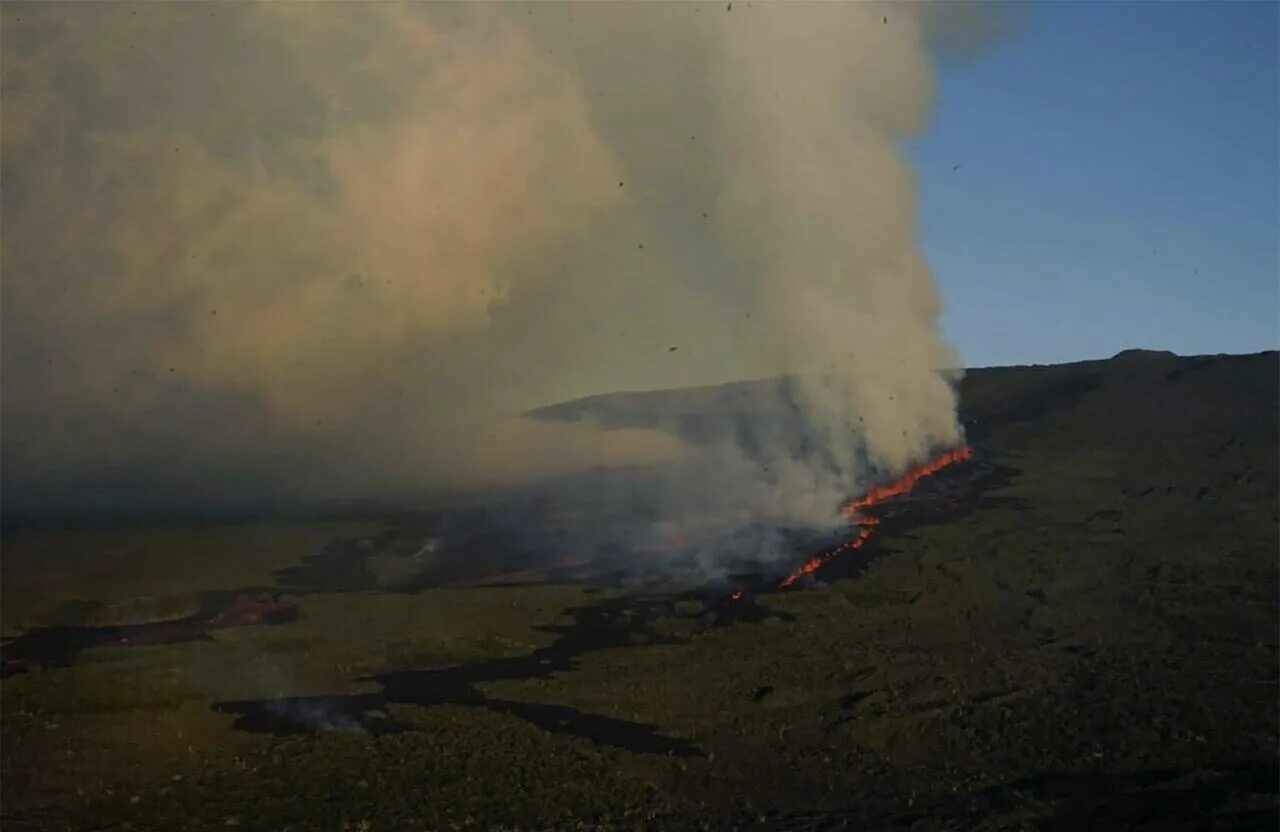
[866, 523]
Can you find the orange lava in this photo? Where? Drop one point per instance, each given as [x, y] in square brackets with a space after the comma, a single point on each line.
[737, 593]
[867, 523]
[907, 481]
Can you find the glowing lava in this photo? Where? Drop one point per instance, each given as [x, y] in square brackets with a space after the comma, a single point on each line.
[867, 523]
[908, 481]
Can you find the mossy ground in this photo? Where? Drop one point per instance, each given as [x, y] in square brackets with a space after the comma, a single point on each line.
[1103, 646]
[54, 576]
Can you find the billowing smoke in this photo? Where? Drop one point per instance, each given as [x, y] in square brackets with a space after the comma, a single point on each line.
[822, 99]
[279, 254]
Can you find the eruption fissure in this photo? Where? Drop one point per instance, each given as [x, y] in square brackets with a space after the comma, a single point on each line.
[906, 482]
[866, 523]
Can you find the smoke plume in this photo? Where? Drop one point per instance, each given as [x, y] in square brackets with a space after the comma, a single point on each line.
[280, 253]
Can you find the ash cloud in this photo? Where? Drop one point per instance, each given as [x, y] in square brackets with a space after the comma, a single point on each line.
[292, 253]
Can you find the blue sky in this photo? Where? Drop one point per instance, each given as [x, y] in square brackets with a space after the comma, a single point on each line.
[1118, 184]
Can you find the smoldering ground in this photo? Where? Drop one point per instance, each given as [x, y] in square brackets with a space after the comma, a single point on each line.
[303, 254]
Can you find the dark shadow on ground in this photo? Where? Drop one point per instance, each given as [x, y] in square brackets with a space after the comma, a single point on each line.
[59, 646]
[610, 623]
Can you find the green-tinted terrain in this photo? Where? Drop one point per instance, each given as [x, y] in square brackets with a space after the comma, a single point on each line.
[1094, 645]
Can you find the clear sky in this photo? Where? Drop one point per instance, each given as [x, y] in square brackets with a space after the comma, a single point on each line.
[1118, 183]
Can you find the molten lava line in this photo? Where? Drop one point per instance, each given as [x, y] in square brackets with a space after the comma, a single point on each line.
[867, 523]
[908, 481]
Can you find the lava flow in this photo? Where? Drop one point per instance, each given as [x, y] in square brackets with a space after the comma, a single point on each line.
[58, 646]
[908, 481]
[866, 523]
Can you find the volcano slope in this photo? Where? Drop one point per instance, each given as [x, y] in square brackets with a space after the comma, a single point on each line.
[1092, 644]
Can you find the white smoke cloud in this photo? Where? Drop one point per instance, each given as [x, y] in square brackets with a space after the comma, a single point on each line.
[290, 252]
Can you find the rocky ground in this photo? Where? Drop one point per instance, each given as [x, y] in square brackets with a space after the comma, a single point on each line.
[1088, 642]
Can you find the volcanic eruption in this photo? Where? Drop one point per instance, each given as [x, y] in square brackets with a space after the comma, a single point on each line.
[434, 245]
[866, 522]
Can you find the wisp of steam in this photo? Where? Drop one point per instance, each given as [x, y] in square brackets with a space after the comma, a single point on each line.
[319, 254]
